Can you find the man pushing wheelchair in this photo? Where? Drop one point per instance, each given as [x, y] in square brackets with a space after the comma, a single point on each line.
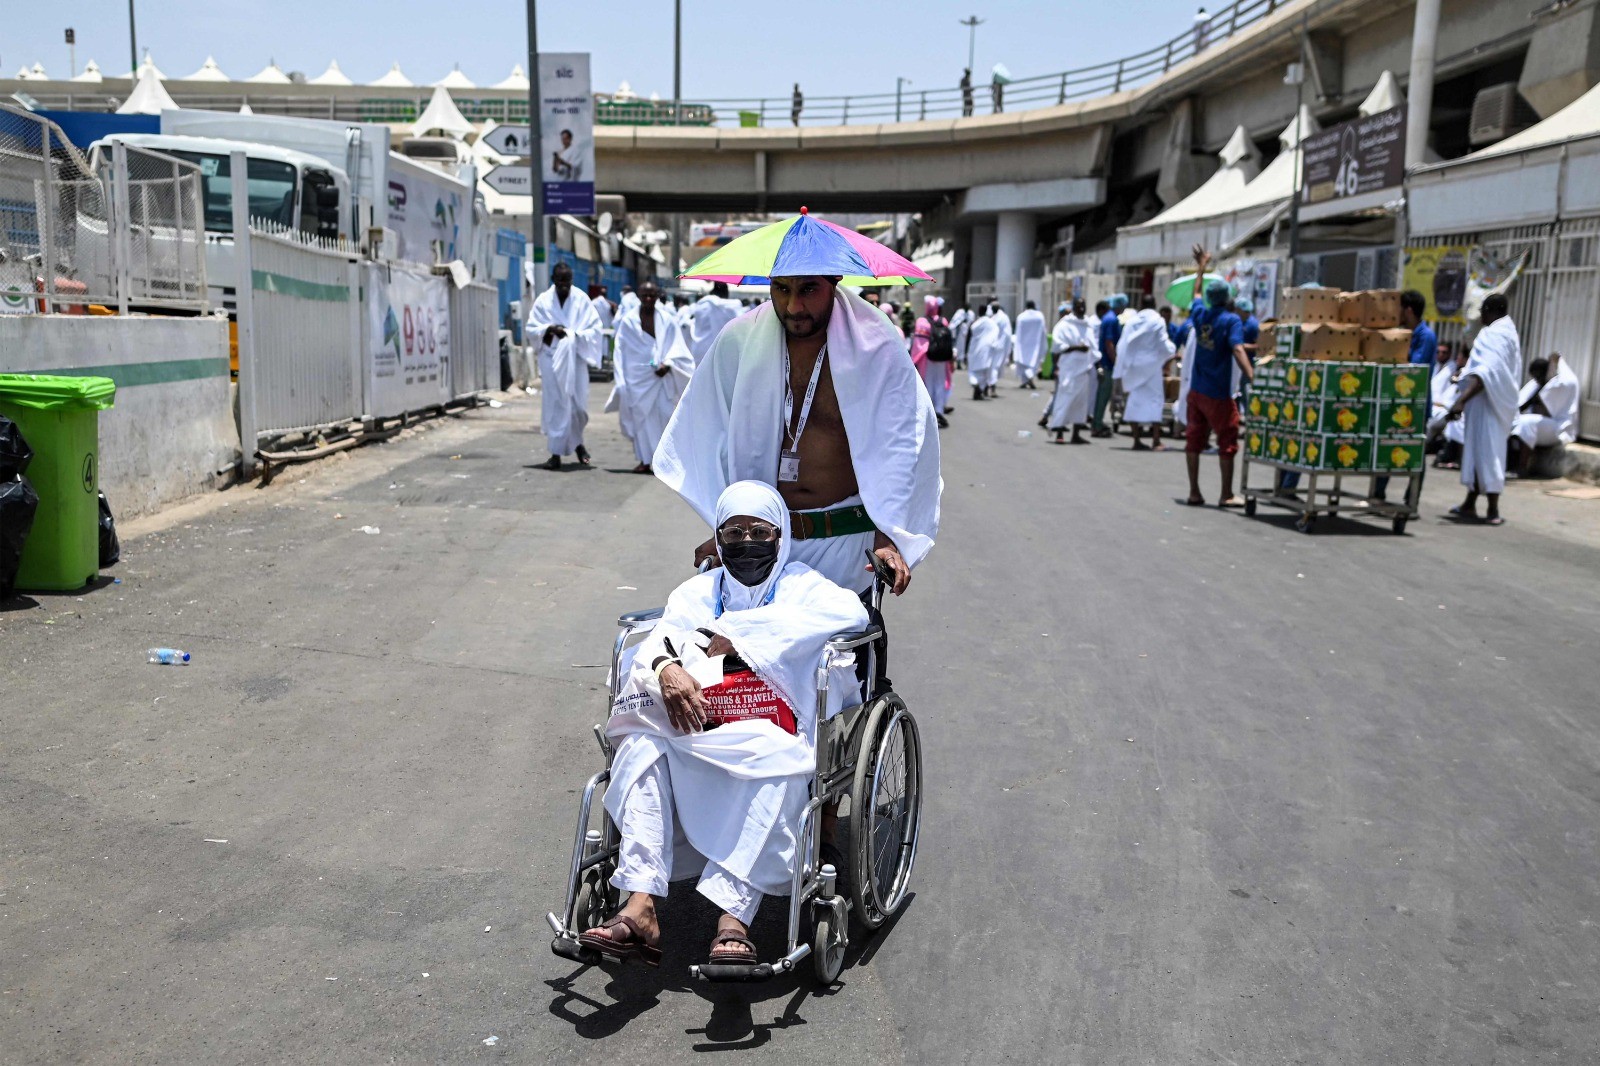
[810, 447]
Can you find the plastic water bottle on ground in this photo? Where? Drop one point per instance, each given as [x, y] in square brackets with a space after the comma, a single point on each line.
[168, 656]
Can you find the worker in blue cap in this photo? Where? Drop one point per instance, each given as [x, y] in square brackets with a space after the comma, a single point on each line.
[1218, 353]
[1110, 334]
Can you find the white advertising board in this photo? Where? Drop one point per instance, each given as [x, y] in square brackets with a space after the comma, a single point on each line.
[408, 336]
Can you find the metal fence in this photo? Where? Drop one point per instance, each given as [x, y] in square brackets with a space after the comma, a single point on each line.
[128, 234]
[300, 350]
[474, 339]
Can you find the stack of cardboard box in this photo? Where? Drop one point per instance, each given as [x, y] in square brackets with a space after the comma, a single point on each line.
[1339, 395]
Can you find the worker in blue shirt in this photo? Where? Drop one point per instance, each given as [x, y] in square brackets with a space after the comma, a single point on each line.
[1252, 326]
[1177, 332]
[1424, 341]
[1110, 334]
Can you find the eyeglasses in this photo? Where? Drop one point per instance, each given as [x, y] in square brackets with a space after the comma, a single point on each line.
[759, 532]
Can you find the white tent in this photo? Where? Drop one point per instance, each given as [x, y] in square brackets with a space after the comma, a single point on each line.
[518, 79]
[91, 73]
[392, 80]
[332, 76]
[442, 115]
[38, 73]
[1240, 164]
[209, 71]
[1385, 96]
[149, 96]
[271, 74]
[148, 63]
[24, 74]
[455, 80]
[246, 109]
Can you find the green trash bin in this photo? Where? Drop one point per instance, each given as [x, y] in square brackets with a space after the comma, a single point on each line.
[60, 418]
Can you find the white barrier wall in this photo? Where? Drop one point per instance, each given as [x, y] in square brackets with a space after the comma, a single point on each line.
[172, 427]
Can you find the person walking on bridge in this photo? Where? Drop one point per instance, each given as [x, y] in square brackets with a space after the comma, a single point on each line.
[796, 103]
[966, 93]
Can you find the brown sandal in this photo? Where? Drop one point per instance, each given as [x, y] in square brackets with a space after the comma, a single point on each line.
[736, 958]
[634, 947]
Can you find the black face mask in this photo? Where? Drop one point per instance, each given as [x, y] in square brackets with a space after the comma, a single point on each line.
[750, 562]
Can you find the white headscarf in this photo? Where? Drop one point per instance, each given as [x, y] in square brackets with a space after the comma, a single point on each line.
[757, 500]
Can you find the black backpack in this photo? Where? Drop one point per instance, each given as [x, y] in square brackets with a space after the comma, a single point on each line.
[941, 342]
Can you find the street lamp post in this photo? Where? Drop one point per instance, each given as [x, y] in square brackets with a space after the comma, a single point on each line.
[972, 23]
[898, 83]
[536, 228]
[133, 41]
[677, 120]
[1298, 75]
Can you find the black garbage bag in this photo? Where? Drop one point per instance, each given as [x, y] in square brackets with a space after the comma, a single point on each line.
[110, 546]
[14, 451]
[18, 504]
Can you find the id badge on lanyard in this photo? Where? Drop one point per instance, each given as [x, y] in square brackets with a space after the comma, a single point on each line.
[789, 458]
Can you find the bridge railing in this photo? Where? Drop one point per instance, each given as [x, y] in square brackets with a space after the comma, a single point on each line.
[981, 98]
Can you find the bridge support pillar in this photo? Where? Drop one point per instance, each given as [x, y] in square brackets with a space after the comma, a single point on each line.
[1013, 252]
[983, 249]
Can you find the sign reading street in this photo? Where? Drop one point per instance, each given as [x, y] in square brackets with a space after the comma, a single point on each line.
[1360, 156]
[512, 179]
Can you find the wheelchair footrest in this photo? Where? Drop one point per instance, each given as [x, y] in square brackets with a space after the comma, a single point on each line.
[736, 972]
[569, 948]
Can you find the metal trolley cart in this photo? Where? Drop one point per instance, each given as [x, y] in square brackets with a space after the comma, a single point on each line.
[1323, 492]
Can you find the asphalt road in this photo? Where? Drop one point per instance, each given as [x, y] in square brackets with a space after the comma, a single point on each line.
[1201, 789]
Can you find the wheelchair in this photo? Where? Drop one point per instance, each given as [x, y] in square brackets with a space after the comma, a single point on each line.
[869, 762]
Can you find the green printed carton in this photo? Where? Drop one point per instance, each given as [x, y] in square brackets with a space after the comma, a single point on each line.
[1342, 381]
[1351, 417]
[1293, 446]
[1273, 448]
[1294, 373]
[1402, 418]
[1255, 440]
[1397, 454]
[1328, 451]
[1406, 381]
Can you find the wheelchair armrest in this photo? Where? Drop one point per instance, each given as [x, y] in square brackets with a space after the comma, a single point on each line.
[633, 618]
[851, 641]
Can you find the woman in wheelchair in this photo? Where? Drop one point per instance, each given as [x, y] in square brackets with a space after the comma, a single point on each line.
[715, 731]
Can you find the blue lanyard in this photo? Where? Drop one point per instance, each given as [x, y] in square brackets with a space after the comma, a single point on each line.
[772, 590]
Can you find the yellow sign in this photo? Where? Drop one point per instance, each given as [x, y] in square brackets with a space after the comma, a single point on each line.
[1440, 274]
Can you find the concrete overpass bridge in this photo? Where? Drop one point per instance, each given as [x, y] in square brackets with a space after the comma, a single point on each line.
[1003, 184]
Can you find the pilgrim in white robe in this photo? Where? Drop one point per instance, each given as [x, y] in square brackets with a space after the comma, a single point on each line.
[564, 365]
[1075, 374]
[1496, 361]
[1442, 392]
[709, 314]
[1180, 410]
[643, 399]
[1142, 355]
[1559, 394]
[726, 803]
[983, 350]
[629, 301]
[1002, 349]
[1030, 342]
[960, 329]
[729, 427]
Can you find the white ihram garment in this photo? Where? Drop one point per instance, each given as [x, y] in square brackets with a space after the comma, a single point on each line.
[1002, 350]
[729, 427]
[936, 378]
[1029, 344]
[960, 329]
[983, 350]
[1560, 396]
[644, 401]
[1442, 392]
[1075, 376]
[726, 803]
[1142, 354]
[706, 319]
[1496, 360]
[564, 365]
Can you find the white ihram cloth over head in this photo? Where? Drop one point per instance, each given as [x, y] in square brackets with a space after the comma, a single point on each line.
[1075, 375]
[1142, 354]
[629, 301]
[643, 400]
[564, 364]
[706, 319]
[1029, 343]
[729, 427]
[1559, 394]
[1496, 360]
[737, 791]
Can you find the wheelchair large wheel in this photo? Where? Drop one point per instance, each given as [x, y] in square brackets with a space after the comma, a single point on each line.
[885, 812]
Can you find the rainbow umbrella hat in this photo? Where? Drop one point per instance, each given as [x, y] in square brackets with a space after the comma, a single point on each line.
[806, 245]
